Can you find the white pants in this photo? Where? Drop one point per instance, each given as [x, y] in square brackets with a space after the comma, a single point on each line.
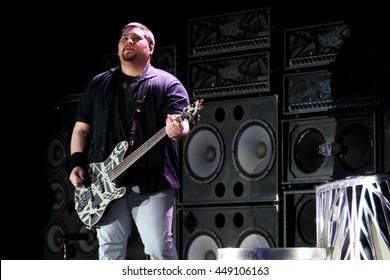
[153, 216]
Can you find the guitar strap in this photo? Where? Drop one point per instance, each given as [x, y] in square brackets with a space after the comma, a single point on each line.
[139, 102]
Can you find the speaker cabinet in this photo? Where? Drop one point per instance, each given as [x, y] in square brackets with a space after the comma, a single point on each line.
[230, 155]
[329, 147]
[319, 91]
[314, 45]
[248, 30]
[65, 236]
[299, 218]
[229, 76]
[203, 230]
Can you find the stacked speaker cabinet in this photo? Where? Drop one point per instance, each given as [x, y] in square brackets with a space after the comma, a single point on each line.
[332, 126]
[230, 163]
[65, 236]
[230, 173]
[331, 118]
[326, 70]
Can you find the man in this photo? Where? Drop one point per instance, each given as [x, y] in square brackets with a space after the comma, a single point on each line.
[132, 103]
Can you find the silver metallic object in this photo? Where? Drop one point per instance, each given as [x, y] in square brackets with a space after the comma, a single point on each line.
[353, 218]
[296, 253]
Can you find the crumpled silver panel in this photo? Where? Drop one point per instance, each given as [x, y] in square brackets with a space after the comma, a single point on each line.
[353, 218]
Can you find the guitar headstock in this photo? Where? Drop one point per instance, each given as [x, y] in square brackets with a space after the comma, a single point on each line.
[192, 110]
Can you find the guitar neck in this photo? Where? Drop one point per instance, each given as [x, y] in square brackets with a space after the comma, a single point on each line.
[136, 154]
[187, 114]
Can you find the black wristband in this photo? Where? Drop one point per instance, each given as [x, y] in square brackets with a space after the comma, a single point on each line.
[78, 159]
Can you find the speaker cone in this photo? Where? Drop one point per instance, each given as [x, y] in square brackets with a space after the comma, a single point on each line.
[59, 196]
[254, 149]
[306, 222]
[204, 153]
[300, 218]
[57, 152]
[90, 244]
[360, 145]
[203, 245]
[55, 238]
[306, 155]
[254, 238]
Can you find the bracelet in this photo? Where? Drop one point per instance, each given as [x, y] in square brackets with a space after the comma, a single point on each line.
[78, 159]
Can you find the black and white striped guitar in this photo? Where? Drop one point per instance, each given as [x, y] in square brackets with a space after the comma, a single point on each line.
[92, 200]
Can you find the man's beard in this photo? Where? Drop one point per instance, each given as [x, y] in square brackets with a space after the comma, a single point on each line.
[128, 56]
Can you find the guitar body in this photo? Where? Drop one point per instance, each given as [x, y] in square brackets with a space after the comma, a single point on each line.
[92, 200]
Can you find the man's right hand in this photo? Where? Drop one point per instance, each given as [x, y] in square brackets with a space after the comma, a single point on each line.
[77, 176]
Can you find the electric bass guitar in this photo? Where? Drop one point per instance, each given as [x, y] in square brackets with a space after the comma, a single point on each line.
[92, 200]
